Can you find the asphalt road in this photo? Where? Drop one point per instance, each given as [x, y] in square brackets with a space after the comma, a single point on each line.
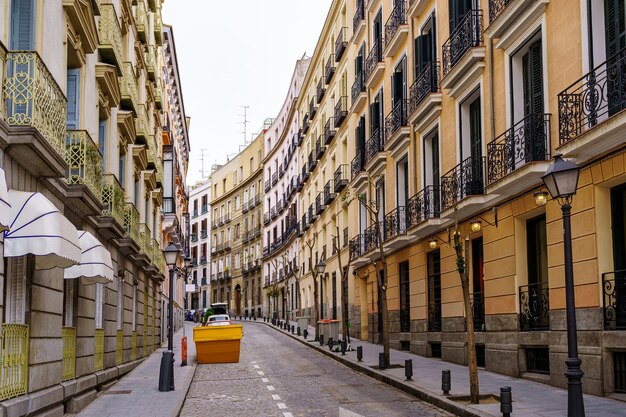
[279, 376]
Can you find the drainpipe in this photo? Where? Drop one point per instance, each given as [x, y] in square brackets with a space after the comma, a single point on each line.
[590, 35]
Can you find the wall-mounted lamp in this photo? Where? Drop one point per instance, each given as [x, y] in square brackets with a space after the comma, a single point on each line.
[476, 223]
[433, 242]
[541, 198]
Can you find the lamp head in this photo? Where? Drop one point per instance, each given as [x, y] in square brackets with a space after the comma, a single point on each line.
[171, 254]
[475, 225]
[541, 198]
[432, 243]
[561, 178]
[320, 267]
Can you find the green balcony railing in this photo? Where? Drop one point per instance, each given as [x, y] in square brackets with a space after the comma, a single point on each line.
[119, 347]
[113, 198]
[69, 353]
[110, 36]
[128, 88]
[3, 64]
[14, 360]
[98, 359]
[33, 98]
[131, 222]
[84, 161]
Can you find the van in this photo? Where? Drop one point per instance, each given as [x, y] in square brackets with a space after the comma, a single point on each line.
[220, 308]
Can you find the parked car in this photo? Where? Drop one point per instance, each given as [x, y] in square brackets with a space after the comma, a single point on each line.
[218, 320]
[220, 308]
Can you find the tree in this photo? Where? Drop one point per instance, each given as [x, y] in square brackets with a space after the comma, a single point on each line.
[312, 268]
[344, 286]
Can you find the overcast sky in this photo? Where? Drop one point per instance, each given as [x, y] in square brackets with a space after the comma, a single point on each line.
[233, 53]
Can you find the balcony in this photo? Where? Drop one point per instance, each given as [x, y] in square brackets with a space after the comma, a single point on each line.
[591, 116]
[396, 29]
[227, 245]
[244, 207]
[203, 260]
[416, 7]
[320, 90]
[158, 27]
[110, 37]
[463, 54]
[423, 212]
[358, 164]
[341, 177]
[128, 88]
[204, 209]
[358, 21]
[341, 110]
[111, 219]
[359, 97]
[151, 63]
[397, 129]
[193, 237]
[220, 247]
[274, 178]
[305, 224]
[214, 250]
[273, 212]
[298, 138]
[131, 227]
[319, 204]
[371, 237]
[312, 162]
[374, 64]
[374, 152]
[507, 17]
[305, 176]
[463, 181]
[204, 281]
[341, 43]
[195, 213]
[312, 108]
[614, 307]
[203, 234]
[425, 97]
[357, 249]
[395, 226]
[329, 192]
[329, 70]
[33, 99]
[518, 158]
[319, 147]
[84, 173]
[312, 213]
[534, 307]
[306, 124]
[141, 21]
[268, 185]
[227, 218]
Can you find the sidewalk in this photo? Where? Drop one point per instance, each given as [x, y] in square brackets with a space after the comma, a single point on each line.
[137, 394]
[529, 398]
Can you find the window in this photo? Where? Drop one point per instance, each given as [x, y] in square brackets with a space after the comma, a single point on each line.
[398, 84]
[134, 318]
[17, 272]
[237, 202]
[251, 165]
[471, 146]
[431, 160]
[405, 298]
[224, 185]
[120, 302]
[240, 174]
[102, 143]
[425, 47]
[619, 371]
[457, 11]
[538, 360]
[534, 297]
[122, 167]
[22, 25]
[99, 305]
[73, 99]
[402, 183]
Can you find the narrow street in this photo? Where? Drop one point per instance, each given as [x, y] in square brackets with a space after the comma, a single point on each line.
[278, 376]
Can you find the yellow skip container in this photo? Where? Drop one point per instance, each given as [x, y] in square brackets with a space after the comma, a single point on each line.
[218, 344]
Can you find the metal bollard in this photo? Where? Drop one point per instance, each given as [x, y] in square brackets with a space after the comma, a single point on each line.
[381, 361]
[506, 401]
[293, 329]
[445, 382]
[330, 343]
[359, 353]
[305, 334]
[343, 347]
[298, 331]
[408, 369]
[321, 340]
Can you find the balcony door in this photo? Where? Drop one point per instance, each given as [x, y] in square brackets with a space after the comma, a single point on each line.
[432, 174]
[376, 114]
[457, 11]
[377, 33]
[398, 81]
[425, 47]
[618, 226]
[615, 41]
[434, 291]
[478, 287]
[534, 297]
[471, 146]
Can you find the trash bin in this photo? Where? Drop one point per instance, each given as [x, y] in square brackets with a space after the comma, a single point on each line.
[303, 322]
[332, 330]
[324, 329]
[218, 344]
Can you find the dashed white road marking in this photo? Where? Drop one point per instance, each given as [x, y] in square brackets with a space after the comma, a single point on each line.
[265, 380]
[287, 414]
[256, 366]
[253, 362]
[271, 388]
[275, 397]
[282, 406]
[260, 373]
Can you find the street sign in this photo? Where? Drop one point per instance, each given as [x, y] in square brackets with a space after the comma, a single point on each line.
[190, 287]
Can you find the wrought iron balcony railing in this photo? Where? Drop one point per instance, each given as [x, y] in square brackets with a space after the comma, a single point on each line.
[359, 14]
[614, 297]
[427, 82]
[320, 91]
[358, 163]
[319, 147]
[319, 203]
[374, 145]
[357, 246]
[463, 180]
[477, 303]
[312, 109]
[312, 162]
[268, 185]
[341, 110]
[373, 58]
[594, 98]
[395, 223]
[33, 98]
[358, 86]
[534, 307]
[329, 192]
[496, 7]
[113, 198]
[84, 162]
[193, 237]
[526, 141]
[341, 177]
[371, 236]
[274, 178]
[396, 19]
[397, 118]
[423, 206]
[329, 131]
[329, 70]
[468, 34]
[110, 37]
[341, 43]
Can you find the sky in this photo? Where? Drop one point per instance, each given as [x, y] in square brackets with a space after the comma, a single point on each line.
[234, 53]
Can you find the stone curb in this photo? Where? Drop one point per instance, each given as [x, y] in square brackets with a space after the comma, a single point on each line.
[418, 392]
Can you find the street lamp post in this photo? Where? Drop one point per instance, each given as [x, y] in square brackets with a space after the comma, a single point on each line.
[166, 374]
[561, 179]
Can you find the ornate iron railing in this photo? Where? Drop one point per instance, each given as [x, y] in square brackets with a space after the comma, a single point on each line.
[119, 347]
[423, 206]
[370, 236]
[144, 239]
[534, 307]
[69, 353]
[14, 360]
[468, 34]
[113, 198]
[98, 359]
[329, 192]
[374, 145]
[341, 110]
[329, 70]
[373, 58]
[33, 98]
[357, 246]
[358, 86]
[319, 147]
[594, 98]
[358, 163]
[128, 87]
[614, 296]
[110, 36]
[496, 7]
[359, 14]
[341, 177]
[312, 109]
[397, 118]
[319, 203]
[131, 222]
[526, 141]
[396, 19]
[133, 346]
[320, 92]
[427, 82]
[84, 161]
[462, 181]
[434, 315]
[477, 303]
[395, 223]
[329, 131]
[340, 43]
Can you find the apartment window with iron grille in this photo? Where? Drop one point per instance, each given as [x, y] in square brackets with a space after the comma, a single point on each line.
[70, 298]
[619, 372]
[538, 360]
[405, 298]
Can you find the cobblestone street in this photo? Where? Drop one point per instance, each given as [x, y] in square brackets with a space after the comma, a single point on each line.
[277, 376]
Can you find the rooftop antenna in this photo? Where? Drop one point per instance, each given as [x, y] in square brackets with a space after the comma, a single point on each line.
[202, 171]
[245, 122]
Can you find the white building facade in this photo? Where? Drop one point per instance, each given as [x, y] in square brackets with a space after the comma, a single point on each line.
[199, 244]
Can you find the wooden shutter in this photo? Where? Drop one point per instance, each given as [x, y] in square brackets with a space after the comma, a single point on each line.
[73, 99]
[434, 145]
[22, 25]
[423, 52]
[615, 26]
[457, 11]
[533, 80]
[475, 128]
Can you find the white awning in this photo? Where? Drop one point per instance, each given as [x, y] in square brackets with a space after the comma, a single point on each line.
[5, 207]
[95, 262]
[37, 227]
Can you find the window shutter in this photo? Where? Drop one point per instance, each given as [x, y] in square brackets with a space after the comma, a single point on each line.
[615, 26]
[22, 25]
[73, 99]
[475, 136]
[532, 78]
[423, 52]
